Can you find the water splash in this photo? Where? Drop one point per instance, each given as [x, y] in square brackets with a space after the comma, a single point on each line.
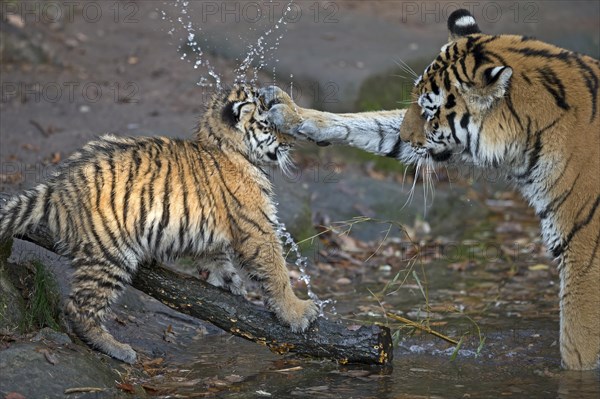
[184, 20]
[261, 52]
[257, 56]
[302, 264]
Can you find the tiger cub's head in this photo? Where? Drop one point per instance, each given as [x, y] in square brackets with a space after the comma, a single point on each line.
[242, 116]
[455, 94]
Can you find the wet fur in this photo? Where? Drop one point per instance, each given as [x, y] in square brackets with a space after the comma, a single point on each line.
[121, 201]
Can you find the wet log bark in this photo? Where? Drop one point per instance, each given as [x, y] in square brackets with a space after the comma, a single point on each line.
[189, 295]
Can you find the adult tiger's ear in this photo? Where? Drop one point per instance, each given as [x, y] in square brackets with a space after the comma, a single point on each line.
[491, 85]
[497, 79]
[461, 23]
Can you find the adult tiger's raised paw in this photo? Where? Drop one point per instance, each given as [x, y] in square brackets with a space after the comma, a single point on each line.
[272, 95]
[288, 118]
[283, 112]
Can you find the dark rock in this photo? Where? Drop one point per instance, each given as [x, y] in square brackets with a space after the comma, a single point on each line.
[24, 365]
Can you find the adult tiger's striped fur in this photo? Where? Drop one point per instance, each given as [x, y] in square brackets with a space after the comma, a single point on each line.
[515, 104]
[120, 201]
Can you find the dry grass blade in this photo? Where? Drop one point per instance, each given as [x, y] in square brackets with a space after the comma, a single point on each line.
[421, 327]
[297, 368]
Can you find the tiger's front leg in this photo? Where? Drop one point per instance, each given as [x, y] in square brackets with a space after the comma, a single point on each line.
[261, 258]
[580, 314]
[375, 132]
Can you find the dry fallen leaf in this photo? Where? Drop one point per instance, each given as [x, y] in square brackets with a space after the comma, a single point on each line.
[15, 20]
[127, 387]
[233, 378]
[56, 157]
[169, 334]
[50, 357]
[153, 362]
[30, 147]
[11, 178]
[14, 395]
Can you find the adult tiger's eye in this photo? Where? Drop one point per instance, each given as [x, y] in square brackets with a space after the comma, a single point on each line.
[436, 126]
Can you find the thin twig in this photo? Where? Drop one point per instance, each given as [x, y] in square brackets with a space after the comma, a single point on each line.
[84, 389]
[421, 327]
[39, 127]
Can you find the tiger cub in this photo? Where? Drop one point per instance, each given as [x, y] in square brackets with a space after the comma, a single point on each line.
[520, 106]
[120, 201]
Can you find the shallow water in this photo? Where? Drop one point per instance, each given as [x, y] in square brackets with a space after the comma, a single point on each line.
[412, 376]
[505, 310]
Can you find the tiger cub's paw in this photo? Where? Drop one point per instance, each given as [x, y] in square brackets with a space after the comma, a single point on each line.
[299, 314]
[228, 278]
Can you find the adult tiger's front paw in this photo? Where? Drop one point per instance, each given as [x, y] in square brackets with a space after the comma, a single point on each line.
[288, 118]
[272, 95]
[282, 111]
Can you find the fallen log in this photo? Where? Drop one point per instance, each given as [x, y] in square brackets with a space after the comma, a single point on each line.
[234, 314]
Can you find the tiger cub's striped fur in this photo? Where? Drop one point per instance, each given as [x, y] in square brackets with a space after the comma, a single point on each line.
[515, 104]
[120, 201]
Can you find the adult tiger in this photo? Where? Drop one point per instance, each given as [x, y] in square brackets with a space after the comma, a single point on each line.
[120, 201]
[521, 106]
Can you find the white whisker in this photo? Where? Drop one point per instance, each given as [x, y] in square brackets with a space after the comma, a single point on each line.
[425, 188]
[414, 185]
[448, 174]
[405, 67]
[285, 163]
[430, 185]
[404, 178]
[401, 76]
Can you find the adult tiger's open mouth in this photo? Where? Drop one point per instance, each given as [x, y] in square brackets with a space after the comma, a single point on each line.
[441, 156]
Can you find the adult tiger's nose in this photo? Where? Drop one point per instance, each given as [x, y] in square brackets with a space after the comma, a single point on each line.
[413, 127]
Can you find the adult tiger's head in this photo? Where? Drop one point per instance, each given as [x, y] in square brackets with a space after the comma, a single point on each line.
[458, 92]
[238, 121]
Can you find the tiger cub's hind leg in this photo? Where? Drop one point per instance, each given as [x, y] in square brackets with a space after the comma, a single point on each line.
[96, 285]
[221, 271]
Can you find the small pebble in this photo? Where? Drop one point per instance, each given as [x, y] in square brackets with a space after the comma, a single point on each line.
[343, 281]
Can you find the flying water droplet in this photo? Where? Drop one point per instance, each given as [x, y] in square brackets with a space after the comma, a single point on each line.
[301, 263]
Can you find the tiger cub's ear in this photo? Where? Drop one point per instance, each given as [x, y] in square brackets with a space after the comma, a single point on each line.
[462, 23]
[237, 111]
[491, 84]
